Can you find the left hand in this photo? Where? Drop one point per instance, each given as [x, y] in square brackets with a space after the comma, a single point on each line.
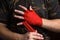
[29, 15]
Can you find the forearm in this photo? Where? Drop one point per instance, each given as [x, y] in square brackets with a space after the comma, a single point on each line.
[14, 36]
[8, 34]
[52, 25]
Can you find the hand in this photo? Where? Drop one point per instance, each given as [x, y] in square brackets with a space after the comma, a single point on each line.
[33, 36]
[29, 15]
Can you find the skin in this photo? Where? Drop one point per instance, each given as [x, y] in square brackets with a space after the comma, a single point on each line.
[52, 25]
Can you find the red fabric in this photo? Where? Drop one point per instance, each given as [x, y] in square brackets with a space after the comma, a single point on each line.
[29, 28]
[32, 18]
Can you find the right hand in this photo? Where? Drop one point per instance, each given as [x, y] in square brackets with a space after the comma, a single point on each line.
[33, 36]
[29, 15]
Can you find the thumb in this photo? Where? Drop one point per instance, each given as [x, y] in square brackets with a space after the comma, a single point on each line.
[30, 8]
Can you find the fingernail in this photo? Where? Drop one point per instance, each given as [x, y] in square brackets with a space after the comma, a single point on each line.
[19, 23]
[19, 5]
[15, 10]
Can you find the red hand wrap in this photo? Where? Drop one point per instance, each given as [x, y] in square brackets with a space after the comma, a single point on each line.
[30, 29]
[32, 18]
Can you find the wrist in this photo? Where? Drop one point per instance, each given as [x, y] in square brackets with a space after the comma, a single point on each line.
[40, 22]
[45, 23]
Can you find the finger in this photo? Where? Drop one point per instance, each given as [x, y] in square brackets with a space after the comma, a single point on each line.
[23, 7]
[31, 8]
[37, 37]
[36, 34]
[19, 17]
[21, 23]
[19, 12]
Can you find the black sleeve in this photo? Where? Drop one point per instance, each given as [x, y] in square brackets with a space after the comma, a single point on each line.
[3, 13]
